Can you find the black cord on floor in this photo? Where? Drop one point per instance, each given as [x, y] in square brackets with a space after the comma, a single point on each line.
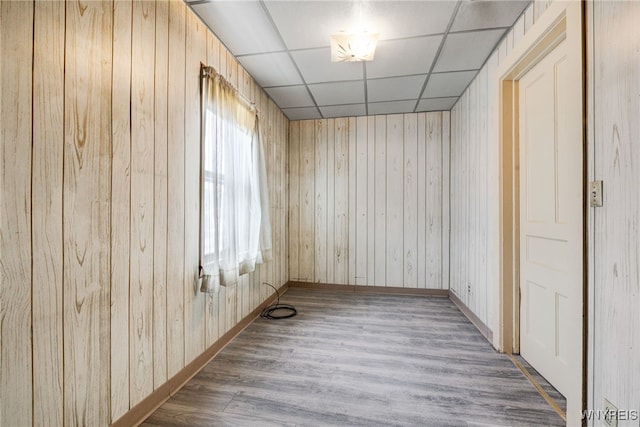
[278, 311]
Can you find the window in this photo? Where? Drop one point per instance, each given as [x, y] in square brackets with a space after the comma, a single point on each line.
[235, 230]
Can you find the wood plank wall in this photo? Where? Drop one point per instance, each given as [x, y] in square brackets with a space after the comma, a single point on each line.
[99, 206]
[613, 38]
[475, 259]
[368, 200]
[614, 141]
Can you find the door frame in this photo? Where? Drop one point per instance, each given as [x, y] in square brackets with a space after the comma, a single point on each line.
[562, 21]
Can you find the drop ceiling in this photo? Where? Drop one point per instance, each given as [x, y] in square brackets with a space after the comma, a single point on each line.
[427, 54]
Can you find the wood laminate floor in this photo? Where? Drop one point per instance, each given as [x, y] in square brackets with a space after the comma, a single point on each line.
[357, 359]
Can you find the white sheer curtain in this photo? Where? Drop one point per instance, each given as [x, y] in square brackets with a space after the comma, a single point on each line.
[234, 220]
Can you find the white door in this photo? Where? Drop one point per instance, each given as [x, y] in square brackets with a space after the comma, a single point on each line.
[551, 220]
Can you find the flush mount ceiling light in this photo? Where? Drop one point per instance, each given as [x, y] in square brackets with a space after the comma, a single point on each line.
[353, 47]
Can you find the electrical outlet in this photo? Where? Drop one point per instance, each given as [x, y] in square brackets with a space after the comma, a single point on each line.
[610, 414]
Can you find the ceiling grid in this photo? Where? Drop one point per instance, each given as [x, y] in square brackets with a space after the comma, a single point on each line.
[428, 52]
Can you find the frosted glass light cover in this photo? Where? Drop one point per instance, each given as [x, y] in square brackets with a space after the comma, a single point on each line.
[353, 47]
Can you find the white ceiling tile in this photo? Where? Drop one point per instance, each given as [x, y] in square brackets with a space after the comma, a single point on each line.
[437, 104]
[271, 69]
[243, 26]
[316, 66]
[448, 84]
[402, 57]
[398, 19]
[392, 107]
[411, 32]
[474, 15]
[290, 96]
[307, 24]
[395, 88]
[343, 110]
[467, 51]
[338, 93]
[303, 113]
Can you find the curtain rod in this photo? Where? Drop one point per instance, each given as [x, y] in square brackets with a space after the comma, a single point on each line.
[207, 70]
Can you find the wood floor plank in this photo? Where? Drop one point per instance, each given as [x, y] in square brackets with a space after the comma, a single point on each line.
[350, 359]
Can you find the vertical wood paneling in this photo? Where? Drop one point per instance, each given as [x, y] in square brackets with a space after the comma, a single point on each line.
[322, 194]
[331, 187]
[242, 280]
[284, 183]
[306, 255]
[461, 169]
[351, 213]
[277, 202]
[371, 197]
[434, 200]
[48, 141]
[502, 50]
[259, 100]
[247, 91]
[273, 201]
[265, 271]
[509, 39]
[410, 199]
[273, 117]
[421, 230]
[281, 214]
[270, 149]
[212, 300]
[518, 30]
[474, 181]
[271, 171]
[16, 31]
[142, 201]
[361, 203]
[395, 201]
[454, 209]
[528, 19]
[242, 297]
[539, 6]
[100, 148]
[196, 53]
[266, 133]
[481, 201]
[228, 71]
[87, 172]
[340, 250]
[493, 188]
[175, 191]
[380, 196]
[284, 192]
[222, 61]
[232, 70]
[455, 250]
[472, 195]
[294, 206]
[222, 294]
[467, 236]
[446, 202]
[120, 207]
[160, 195]
[616, 132]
